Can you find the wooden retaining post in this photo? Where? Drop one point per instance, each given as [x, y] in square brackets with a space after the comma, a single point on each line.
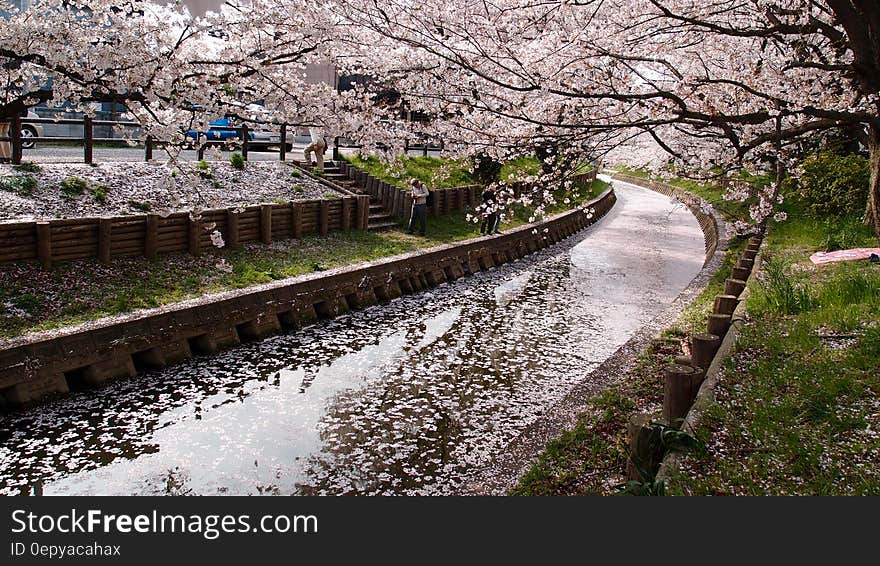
[677, 393]
[148, 148]
[44, 244]
[725, 304]
[734, 287]
[232, 239]
[195, 236]
[718, 324]
[346, 214]
[638, 432]
[296, 220]
[105, 233]
[266, 223]
[324, 218]
[151, 236]
[703, 349]
[362, 207]
[740, 273]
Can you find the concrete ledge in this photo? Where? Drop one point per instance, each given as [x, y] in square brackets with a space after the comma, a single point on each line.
[40, 364]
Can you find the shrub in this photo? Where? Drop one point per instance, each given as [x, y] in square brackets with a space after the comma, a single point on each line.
[28, 167]
[202, 165]
[141, 206]
[834, 184]
[100, 191]
[74, 186]
[237, 160]
[24, 185]
[841, 237]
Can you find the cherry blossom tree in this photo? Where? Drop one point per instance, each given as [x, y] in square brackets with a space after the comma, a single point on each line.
[718, 84]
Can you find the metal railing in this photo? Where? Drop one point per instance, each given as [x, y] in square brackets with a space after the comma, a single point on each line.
[242, 139]
[88, 139]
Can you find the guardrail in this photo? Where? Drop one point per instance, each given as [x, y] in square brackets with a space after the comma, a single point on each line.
[242, 139]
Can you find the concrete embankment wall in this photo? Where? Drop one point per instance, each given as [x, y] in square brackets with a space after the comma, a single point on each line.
[38, 365]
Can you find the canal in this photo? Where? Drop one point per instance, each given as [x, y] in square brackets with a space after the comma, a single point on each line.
[410, 397]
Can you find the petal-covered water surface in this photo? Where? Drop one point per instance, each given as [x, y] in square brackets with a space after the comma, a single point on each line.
[409, 397]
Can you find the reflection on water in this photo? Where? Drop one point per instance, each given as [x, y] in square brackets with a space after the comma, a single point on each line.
[404, 398]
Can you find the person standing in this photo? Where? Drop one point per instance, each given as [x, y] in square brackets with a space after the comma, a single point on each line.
[490, 212]
[419, 193]
[318, 146]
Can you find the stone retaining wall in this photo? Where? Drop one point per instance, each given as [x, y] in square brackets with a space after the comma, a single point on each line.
[38, 365]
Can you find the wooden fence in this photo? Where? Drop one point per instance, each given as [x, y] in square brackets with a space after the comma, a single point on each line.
[152, 234]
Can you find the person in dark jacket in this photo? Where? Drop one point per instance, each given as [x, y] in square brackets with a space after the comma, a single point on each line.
[490, 212]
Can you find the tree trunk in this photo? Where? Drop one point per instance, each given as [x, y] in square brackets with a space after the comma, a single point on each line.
[874, 187]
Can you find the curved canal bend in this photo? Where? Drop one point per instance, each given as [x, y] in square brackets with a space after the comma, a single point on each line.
[409, 397]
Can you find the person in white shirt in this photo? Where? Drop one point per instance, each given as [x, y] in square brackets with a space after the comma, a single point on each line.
[419, 193]
[318, 147]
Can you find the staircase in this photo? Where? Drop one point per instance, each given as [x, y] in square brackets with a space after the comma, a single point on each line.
[379, 217]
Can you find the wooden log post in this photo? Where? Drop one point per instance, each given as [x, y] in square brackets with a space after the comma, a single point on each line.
[44, 244]
[724, 304]
[718, 324]
[734, 287]
[740, 273]
[435, 207]
[105, 234]
[346, 214]
[266, 223]
[297, 220]
[88, 139]
[232, 239]
[148, 148]
[677, 393]
[151, 236]
[362, 204]
[638, 432]
[201, 148]
[407, 208]
[195, 236]
[324, 218]
[704, 348]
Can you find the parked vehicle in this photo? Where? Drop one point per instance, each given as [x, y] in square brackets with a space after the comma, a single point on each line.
[30, 132]
[223, 130]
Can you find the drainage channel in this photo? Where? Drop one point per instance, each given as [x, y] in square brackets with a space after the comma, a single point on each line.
[409, 397]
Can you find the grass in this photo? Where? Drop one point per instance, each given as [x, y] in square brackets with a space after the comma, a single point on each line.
[434, 172]
[798, 410]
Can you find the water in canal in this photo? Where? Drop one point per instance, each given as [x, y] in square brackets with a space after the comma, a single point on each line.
[410, 397]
